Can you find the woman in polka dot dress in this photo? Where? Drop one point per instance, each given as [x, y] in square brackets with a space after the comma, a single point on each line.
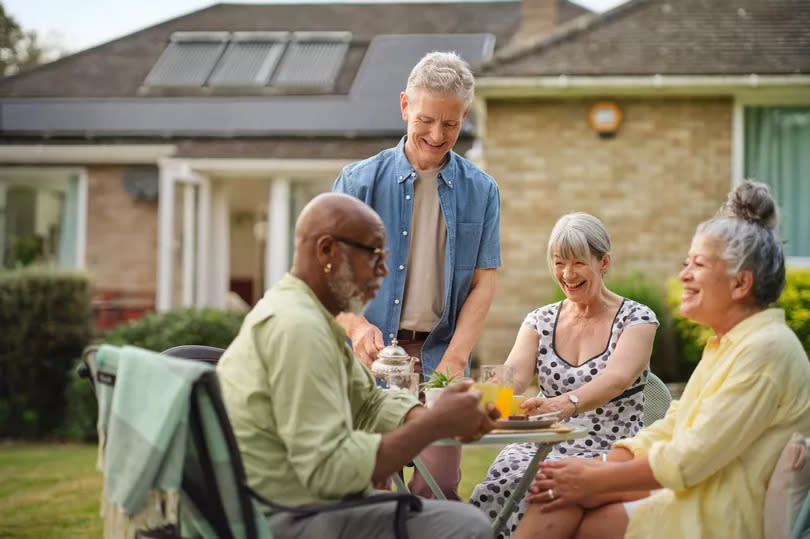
[590, 353]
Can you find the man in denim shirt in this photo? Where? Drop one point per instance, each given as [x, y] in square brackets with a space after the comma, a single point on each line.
[442, 220]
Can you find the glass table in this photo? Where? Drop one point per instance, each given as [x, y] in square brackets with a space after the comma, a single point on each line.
[546, 439]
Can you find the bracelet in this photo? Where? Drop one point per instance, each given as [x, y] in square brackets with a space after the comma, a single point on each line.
[604, 457]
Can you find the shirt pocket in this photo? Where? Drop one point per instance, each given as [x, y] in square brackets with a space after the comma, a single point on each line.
[467, 240]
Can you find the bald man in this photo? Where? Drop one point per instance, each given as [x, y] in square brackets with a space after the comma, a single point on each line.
[311, 424]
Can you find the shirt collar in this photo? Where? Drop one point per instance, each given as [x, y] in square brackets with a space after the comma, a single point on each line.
[403, 168]
[752, 323]
[292, 282]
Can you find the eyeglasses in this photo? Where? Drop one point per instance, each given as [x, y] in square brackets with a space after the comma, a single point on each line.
[378, 255]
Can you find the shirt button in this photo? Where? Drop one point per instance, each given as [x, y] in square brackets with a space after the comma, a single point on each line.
[450, 183]
[413, 173]
[404, 232]
[396, 302]
[401, 267]
[407, 197]
[390, 335]
[400, 177]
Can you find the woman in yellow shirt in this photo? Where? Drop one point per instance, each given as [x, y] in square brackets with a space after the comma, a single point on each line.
[702, 470]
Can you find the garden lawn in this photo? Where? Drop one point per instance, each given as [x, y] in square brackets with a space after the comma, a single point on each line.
[53, 490]
[49, 490]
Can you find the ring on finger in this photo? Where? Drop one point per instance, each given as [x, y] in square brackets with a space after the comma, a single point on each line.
[550, 494]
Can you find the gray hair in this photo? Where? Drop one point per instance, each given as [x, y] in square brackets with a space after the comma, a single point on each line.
[577, 235]
[442, 74]
[747, 223]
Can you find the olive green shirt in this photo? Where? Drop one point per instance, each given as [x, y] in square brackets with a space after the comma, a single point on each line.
[307, 415]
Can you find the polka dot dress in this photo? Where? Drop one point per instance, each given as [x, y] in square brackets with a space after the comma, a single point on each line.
[617, 419]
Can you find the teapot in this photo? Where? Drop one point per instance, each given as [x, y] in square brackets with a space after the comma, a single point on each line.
[393, 367]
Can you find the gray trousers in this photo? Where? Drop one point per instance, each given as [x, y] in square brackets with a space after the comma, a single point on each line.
[438, 519]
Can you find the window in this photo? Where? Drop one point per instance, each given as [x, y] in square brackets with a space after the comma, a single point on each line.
[250, 59]
[776, 152]
[313, 60]
[188, 60]
[40, 219]
[297, 60]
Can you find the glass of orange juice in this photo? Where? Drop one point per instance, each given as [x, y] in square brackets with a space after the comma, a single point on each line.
[496, 383]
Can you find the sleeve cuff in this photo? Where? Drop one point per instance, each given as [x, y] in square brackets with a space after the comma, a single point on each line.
[635, 446]
[665, 469]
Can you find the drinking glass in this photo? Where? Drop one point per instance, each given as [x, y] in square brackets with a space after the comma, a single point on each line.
[517, 400]
[496, 383]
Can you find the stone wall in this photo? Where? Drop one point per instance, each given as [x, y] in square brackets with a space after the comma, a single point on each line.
[667, 169]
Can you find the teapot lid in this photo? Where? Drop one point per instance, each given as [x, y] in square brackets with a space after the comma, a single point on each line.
[394, 351]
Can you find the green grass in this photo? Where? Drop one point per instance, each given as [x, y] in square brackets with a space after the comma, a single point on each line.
[475, 461]
[49, 490]
[53, 490]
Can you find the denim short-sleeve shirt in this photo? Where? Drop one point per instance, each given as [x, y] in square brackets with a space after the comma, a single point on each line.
[470, 205]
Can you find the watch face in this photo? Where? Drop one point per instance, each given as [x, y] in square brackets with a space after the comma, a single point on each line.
[573, 398]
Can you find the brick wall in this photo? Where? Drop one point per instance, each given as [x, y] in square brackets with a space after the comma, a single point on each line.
[667, 169]
[121, 246]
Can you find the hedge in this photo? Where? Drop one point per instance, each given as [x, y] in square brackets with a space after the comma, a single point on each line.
[160, 331]
[157, 332]
[45, 316]
[795, 300]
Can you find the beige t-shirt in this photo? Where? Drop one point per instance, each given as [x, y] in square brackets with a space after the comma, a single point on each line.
[423, 301]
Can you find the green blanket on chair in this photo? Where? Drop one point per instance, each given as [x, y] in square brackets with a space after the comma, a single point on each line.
[143, 430]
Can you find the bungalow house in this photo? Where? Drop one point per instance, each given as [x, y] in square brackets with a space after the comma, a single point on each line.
[646, 116]
[172, 162]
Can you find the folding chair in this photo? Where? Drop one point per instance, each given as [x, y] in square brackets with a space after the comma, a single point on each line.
[656, 399]
[215, 499]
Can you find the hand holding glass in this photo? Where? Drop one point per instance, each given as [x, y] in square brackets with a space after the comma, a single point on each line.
[496, 384]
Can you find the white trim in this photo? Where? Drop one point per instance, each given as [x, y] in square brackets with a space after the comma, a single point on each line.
[163, 299]
[203, 241]
[220, 247]
[629, 85]
[277, 252]
[189, 261]
[737, 143]
[300, 168]
[84, 154]
[81, 221]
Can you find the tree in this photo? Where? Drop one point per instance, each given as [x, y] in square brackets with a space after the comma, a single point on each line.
[19, 49]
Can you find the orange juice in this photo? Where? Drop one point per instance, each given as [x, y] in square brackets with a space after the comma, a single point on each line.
[517, 400]
[504, 401]
[489, 392]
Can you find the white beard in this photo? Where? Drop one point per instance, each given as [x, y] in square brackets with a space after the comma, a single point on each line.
[349, 297]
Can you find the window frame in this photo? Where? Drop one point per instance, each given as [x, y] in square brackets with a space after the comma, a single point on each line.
[35, 173]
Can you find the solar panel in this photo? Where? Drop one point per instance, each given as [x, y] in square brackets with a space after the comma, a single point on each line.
[250, 59]
[188, 59]
[313, 60]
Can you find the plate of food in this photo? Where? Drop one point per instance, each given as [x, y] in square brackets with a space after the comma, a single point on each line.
[527, 422]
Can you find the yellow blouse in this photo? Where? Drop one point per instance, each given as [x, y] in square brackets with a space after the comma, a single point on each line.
[715, 449]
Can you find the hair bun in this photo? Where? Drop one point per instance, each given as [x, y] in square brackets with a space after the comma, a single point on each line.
[753, 202]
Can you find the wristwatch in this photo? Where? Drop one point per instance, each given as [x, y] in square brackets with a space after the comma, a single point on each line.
[575, 401]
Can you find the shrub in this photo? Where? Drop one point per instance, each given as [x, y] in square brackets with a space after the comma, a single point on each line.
[795, 300]
[45, 318]
[159, 331]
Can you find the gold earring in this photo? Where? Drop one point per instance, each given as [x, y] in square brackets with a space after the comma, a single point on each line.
[328, 267]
